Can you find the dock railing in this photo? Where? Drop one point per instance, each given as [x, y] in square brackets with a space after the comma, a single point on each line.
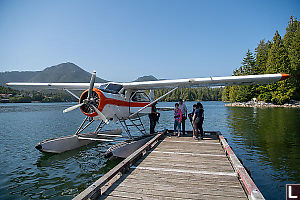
[102, 184]
[245, 179]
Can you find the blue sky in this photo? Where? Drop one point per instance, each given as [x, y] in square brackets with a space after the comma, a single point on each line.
[125, 39]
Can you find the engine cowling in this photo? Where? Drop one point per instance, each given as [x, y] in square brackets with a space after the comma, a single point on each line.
[95, 100]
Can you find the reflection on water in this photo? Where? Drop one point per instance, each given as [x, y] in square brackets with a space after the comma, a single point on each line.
[57, 175]
[269, 142]
[25, 172]
[266, 140]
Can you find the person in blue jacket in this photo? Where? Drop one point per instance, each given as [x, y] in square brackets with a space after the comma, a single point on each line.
[198, 119]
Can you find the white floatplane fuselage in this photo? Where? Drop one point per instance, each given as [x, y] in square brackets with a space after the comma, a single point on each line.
[120, 106]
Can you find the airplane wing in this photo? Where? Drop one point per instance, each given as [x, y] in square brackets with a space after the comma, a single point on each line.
[145, 85]
[207, 82]
[71, 86]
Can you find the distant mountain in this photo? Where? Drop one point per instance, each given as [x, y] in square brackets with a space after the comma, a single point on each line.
[62, 73]
[65, 72]
[15, 76]
[146, 78]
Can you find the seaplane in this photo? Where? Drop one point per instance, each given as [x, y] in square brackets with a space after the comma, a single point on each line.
[125, 103]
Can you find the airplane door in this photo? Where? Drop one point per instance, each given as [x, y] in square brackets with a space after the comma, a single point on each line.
[141, 97]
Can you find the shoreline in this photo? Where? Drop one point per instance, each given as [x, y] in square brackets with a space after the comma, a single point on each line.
[250, 104]
[40, 102]
[261, 104]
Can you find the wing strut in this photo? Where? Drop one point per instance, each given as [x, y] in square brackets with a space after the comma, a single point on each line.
[74, 95]
[152, 102]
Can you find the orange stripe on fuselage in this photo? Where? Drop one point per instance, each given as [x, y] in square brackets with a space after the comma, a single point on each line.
[105, 101]
[115, 102]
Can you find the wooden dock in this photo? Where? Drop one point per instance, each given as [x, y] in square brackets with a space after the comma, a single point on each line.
[170, 167]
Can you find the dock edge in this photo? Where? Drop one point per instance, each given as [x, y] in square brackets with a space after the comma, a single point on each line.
[245, 179]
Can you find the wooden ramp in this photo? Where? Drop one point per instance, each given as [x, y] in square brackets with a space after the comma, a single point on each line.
[178, 168]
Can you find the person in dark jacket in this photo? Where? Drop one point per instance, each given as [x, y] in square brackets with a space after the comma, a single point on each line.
[153, 116]
[198, 121]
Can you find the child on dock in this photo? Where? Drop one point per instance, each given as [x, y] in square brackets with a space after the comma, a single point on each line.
[178, 119]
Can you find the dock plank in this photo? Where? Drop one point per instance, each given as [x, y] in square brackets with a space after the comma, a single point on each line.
[138, 192]
[201, 164]
[191, 186]
[180, 168]
[187, 178]
[181, 177]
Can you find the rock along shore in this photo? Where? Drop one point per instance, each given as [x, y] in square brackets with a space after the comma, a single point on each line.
[262, 104]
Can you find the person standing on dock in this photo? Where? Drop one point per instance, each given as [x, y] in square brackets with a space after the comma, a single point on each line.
[153, 116]
[198, 121]
[192, 114]
[183, 109]
[178, 119]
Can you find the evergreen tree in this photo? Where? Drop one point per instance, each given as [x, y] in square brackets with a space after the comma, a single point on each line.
[292, 43]
[191, 94]
[262, 51]
[232, 93]
[248, 64]
[245, 92]
[225, 94]
[278, 62]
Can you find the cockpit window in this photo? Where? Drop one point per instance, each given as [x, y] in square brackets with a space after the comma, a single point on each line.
[140, 97]
[111, 88]
[102, 87]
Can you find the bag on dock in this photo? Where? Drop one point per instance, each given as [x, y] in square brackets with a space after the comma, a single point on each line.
[156, 117]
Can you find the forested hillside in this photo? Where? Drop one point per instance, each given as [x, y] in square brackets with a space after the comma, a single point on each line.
[17, 96]
[281, 55]
[191, 94]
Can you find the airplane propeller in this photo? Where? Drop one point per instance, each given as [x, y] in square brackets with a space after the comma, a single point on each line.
[89, 101]
[72, 108]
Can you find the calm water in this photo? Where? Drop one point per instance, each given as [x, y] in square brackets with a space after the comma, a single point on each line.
[266, 140]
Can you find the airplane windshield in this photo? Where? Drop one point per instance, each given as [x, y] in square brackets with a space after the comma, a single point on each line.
[111, 88]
